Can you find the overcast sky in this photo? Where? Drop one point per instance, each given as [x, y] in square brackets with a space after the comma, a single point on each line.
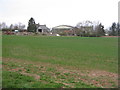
[58, 12]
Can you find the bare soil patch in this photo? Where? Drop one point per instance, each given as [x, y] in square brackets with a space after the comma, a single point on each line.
[97, 78]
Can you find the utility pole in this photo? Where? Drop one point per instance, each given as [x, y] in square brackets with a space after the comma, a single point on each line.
[119, 11]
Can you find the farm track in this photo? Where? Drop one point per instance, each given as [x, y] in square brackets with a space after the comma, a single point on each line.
[61, 74]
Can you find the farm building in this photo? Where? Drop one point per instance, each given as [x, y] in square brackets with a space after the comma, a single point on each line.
[63, 30]
[42, 28]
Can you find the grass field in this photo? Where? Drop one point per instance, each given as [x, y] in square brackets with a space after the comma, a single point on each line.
[59, 62]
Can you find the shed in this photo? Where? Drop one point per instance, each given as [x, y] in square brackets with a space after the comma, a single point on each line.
[42, 29]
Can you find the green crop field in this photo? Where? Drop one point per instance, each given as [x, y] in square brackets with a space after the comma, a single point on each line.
[59, 62]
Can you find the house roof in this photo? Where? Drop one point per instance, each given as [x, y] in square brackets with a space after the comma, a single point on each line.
[43, 27]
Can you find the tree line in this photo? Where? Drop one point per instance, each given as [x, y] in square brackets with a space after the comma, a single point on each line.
[12, 27]
[85, 28]
[89, 28]
[114, 29]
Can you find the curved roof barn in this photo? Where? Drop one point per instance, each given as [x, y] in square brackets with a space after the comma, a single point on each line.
[64, 27]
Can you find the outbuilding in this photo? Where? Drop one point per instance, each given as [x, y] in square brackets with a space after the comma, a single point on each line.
[42, 29]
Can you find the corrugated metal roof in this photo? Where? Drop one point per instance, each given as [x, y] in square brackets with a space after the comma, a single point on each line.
[63, 27]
